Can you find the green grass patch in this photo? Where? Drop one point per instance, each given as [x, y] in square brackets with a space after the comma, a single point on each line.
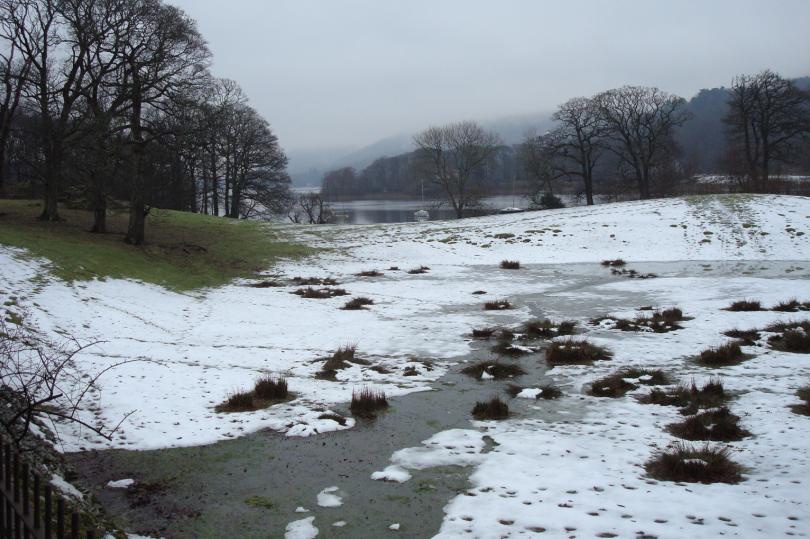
[184, 250]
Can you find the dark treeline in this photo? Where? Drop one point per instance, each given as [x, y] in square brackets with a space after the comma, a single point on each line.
[621, 143]
[108, 101]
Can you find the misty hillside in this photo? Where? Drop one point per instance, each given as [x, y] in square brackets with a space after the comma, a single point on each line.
[702, 139]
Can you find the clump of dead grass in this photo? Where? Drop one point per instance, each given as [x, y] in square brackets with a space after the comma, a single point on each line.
[494, 408]
[688, 464]
[717, 425]
[367, 401]
[575, 352]
[496, 370]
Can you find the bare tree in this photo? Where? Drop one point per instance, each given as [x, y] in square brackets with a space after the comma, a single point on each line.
[767, 119]
[314, 207]
[639, 123]
[579, 140]
[449, 156]
[539, 156]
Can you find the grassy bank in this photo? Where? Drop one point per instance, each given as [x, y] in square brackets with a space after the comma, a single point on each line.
[183, 251]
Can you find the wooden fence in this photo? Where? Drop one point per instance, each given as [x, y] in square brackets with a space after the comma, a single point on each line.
[28, 510]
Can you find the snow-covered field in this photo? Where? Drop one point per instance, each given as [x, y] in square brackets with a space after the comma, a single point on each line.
[578, 478]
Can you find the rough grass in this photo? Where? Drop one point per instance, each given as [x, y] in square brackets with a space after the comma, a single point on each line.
[803, 408]
[684, 463]
[314, 281]
[495, 369]
[339, 419]
[497, 305]
[790, 306]
[419, 270]
[546, 329]
[745, 306]
[266, 284]
[721, 356]
[792, 337]
[505, 347]
[237, 401]
[548, 391]
[660, 321]
[575, 352]
[510, 264]
[483, 333]
[615, 263]
[367, 401]
[357, 304]
[620, 383]
[320, 293]
[748, 337]
[689, 398]
[184, 251]
[718, 425]
[494, 408]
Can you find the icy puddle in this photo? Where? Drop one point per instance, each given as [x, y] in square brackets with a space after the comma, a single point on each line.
[537, 472]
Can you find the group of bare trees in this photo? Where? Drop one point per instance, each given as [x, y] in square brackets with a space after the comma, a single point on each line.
[113, 98]
[769, 121]
[634, 124]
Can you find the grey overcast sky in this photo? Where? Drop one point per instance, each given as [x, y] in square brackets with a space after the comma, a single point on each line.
[348, 72]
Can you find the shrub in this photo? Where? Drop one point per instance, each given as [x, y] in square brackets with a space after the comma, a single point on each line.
[494, 408]
[237, 401]
[684, 463]
[550, 201]
[495, 369]
[357, 304]
[320, 293]
[727, 354]
[369, 273]
[510, 264]
[571, 352]
[689, 398]
[271, 389]
[745, 305]
[367, 401]
[497, 305]
[789, 306]
[803, 408]
[748, 337]
[617, 263]
[718, 425]
[420, 269]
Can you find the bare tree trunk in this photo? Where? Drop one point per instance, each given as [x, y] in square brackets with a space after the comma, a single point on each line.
[50, 202]
[137, 204]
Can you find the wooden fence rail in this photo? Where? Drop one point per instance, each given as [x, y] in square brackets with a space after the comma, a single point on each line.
[27, 510]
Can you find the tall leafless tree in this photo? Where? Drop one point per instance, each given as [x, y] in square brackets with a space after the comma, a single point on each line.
[768, 118]
[579, 140]
[449, 155]
[639, 122]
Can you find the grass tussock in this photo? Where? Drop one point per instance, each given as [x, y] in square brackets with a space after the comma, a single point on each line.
[479, 292]
[615, 263]
[660, 321]
[721, 356]
[494, 408]
[748, 337]
[494, 370]
[688, 464]
[314, 281]
[745, 305]
[510, 264]
[689, 398]
[367, 401]
[419, 270]
[271, 389]
[341, 359]
[803, 408]
[718, 425]
[183, 251]
[266, 392]
[575, 352]
[483, 333]
[369, 273]
[497, 305]
[620, 383]
[791, 337]
[357, 304]
[546, 329]
[266, 284]
[547, 391]
[320, 293]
